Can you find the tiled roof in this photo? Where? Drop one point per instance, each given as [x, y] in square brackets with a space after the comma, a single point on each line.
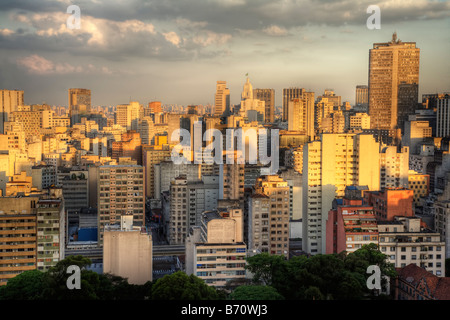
[439, 287]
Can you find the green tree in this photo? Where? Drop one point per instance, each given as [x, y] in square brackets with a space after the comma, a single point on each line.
[267, 269]
[180, 286]
[255, 292]
[25, 286]
[313, 293]
[56, 281]
[359, 260]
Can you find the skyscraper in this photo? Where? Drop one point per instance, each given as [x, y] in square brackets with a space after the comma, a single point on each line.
[393, 82]
[362, 98]
[301, 114]
[329, 166]
[288, 95]
[443, 116]
[79, 103]
[120, 192]
[268, 96]
[221, 98]
[9, 100]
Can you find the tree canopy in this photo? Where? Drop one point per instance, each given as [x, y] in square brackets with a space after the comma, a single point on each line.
[323, 276]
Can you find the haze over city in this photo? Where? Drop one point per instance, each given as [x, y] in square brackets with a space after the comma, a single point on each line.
[175, 51]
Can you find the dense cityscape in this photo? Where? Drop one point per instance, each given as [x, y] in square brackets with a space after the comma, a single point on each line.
[289, 194]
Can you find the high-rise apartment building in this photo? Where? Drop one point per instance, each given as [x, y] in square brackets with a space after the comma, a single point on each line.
[9, 101]
[443, 116]
[277, 230]
[268, 96]
[221, 98]
[331, 97]
[32, 232]
[152, 155]
[394, 167]
[120, 192]
[329, 166]
[79, 103]
[393, 82]
[232, 181]
[128, 115]
[288, 95]
[301, 114]
[419, 184]
[188, 200]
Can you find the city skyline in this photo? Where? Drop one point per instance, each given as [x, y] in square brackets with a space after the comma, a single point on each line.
[177, 53]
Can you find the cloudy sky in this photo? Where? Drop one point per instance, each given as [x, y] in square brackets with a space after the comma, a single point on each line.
[175, 50]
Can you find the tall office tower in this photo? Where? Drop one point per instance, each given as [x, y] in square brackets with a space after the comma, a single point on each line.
[407, 102]
[128, 115]
[394, 167]
[251, 108]
[146, 130]
[120, 191]
[173, 123]
[215, 250]
[268, 96]
[301, 115]
[221, 99]
[393, 82]
[362, 98]
[277, 230]
[9, 101]
[443, 116]
[288, 95]
[329, 166]
[79, 103]
[127, 251]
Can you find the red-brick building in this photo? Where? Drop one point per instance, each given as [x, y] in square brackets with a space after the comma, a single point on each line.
[389, 203]
[415, 283]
